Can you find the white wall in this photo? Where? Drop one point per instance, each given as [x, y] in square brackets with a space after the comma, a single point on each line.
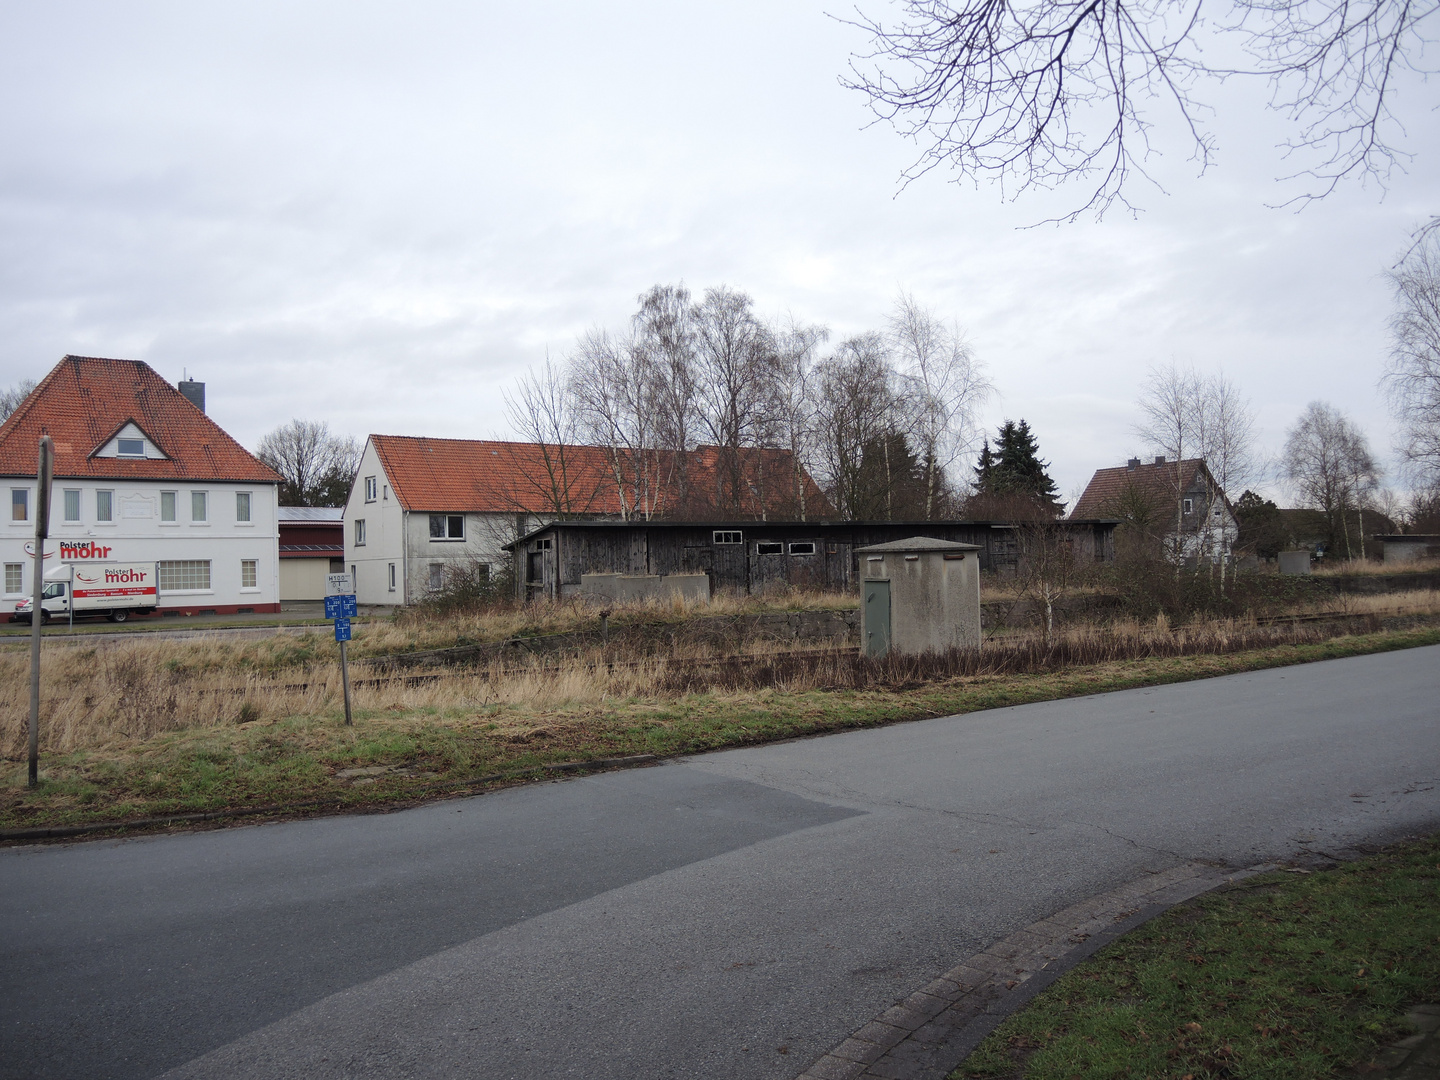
[135, 533]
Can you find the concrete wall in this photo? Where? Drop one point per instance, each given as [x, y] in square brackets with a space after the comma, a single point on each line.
[934, 600]
[622, 588]
[1294, 562]
[1408, 551]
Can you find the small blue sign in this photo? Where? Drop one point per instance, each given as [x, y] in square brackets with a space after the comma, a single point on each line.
[341, 607]
[342, 629]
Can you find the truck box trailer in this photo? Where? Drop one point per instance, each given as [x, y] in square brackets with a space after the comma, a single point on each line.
[114, 590]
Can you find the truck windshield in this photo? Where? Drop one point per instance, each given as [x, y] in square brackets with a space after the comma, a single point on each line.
[54, 590]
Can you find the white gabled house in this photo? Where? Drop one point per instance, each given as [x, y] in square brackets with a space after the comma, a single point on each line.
[141, 475]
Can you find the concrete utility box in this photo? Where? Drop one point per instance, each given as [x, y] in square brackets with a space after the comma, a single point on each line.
[1294, 562]
[919, 595]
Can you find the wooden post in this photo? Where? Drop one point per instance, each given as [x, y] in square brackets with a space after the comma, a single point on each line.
[43, 478]
[345, 682]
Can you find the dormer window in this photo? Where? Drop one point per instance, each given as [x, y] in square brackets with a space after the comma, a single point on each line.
[130, 447]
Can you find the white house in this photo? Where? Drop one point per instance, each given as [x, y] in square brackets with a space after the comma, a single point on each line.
[419, 506]
[1165, 494]
[141, 475]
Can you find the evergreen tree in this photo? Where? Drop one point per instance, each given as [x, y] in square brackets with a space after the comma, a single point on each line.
[1013, 468]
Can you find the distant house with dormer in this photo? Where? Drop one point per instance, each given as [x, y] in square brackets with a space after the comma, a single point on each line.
[141, 475]
[1175, 503]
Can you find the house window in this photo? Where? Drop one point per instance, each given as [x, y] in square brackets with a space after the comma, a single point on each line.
[387, 492]
[392, 577]
[242, 506]
[1189, 505]
[725, 536]
[359, 532]
[447, 526]
[180, 575]
[19, 504]
[168, 499]
[804, 547]
[72, 506]
[437, 575]
[369, 489]
[247, 573]
[104, 506]
[131, 448]
[770, 548]
[14, 577]
[199, 505]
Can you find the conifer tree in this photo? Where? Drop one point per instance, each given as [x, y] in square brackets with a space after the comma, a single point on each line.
[1013, 468]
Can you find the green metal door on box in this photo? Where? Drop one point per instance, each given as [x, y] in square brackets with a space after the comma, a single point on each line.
[877, 618]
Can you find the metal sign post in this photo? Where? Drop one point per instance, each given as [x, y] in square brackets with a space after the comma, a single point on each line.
[340, 606]
[44, 476]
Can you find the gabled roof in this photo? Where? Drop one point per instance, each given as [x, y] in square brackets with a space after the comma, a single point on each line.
[481, 476]
[1108, 486]
[86, 400]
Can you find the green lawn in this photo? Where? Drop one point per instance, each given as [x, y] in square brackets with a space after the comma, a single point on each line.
[1286, 975]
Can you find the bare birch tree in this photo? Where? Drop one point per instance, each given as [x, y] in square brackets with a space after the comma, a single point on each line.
[1413, 378]
[610, 380]
[665, 332]
[1168, 400]
[735, 372]
[855, 405]
[944, 387]
[1328, 462]
[541, 410]
[795, 408]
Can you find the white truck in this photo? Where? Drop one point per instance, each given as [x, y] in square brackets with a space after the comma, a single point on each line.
[116, 590]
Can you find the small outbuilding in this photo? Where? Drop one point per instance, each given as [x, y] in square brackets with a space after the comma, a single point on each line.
[919, 595]
[1410, 547]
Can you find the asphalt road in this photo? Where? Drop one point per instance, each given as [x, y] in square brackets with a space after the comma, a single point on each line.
[730, 916]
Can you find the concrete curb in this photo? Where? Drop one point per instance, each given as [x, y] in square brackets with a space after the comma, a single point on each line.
[933, 1030]
[429, 790]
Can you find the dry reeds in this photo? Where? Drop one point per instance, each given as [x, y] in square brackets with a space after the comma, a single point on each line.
[129, 690]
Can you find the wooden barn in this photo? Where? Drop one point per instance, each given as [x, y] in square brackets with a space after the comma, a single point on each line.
[751, 556]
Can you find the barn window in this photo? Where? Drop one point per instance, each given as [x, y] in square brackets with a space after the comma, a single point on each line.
[726, 536]
[803, 547]
[775, 548]
[1189, 505]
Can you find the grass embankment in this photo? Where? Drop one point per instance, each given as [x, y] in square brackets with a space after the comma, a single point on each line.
[462, 726]
[1286, 975]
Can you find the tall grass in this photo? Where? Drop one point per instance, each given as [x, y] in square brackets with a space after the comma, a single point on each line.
[131, 690]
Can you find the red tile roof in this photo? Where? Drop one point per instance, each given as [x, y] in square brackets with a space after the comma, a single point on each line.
[476, 476]
[86, 400]
[1106, 487]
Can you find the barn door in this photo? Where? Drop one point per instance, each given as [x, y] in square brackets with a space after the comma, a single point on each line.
[877, 618]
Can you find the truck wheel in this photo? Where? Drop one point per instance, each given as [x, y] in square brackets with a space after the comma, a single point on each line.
[44, 618]
[119, 616]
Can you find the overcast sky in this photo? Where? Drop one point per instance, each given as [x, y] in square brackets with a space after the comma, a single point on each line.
[378, 214]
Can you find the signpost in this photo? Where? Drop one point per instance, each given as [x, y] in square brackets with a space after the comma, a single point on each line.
[44, 477]
[340, 606]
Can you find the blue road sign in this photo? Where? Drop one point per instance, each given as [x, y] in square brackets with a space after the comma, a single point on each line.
[341, 607]
[342, 629]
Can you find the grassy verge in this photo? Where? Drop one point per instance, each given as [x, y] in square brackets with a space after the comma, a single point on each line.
[1285, 975]
[296, 758]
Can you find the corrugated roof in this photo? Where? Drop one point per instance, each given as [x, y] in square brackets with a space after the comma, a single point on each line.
[86, 400]
[481, 476]
[320, 515]
[917, 543]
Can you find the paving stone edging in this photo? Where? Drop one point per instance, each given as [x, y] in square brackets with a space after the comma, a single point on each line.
[929, 1033]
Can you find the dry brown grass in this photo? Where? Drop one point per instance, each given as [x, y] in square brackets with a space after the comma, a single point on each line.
[1351, 567]
[128, 690]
